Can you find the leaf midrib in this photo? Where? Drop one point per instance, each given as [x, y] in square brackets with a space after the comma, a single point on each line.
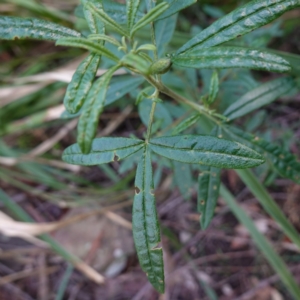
[205, 152]
[273, 89]
[106, 151]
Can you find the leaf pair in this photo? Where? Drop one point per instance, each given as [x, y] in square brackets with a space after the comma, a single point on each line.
[88, 121]
[189, 149]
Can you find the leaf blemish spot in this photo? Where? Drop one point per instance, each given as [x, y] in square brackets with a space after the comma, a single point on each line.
[116, 158]
[137, 190]
[202, 202]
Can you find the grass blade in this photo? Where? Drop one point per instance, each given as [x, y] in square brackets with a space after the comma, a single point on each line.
[269, 205]
[262, 243]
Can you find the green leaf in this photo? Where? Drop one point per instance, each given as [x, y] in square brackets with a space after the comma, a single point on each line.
[13, 28]
[244, 19]
[96, 25]
[122, 85]
[150, 4]
[284, 162]
[105, 18]
[132, 8]
[231, 57]
[106, 38]
[260, 96]
[137, 62]
[145, 225]
[208, 193]
[149, 17]
[164, 30]
[213, 88]
[81, 83]
[206, 150]
[88, 122]
[183, 178]
[184, 125]
[88, 45]
[115, 10]
[103, 150]
[118, 87]
[262, 243]
[175, 6]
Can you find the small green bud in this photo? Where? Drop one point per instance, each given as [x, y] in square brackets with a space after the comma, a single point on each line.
[161, 66]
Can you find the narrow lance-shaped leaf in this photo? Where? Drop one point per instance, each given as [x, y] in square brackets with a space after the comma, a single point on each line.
[118, 87]
[164, 30]
[13, 28]
[105, 18]
[88, 122]
[149, 17]
[150, 4]
[103, 150]
[244, 19]
[132, 8]
[208, 193]
[175, 6]
[106, 38]
[284, 162]
[184, 125]
[206, 150]
[88, 45]
[81, 83]
[95, 24]
[145, 225]
[231, 57]
[183, 178]
[213, 88]
[260, 96]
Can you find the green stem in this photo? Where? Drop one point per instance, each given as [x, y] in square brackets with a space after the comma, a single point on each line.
[180, 99]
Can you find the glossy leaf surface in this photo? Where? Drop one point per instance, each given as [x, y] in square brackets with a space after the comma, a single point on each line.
[231, 57]
[284, 162]
[13, 28]
[151, 16]
[260, 96]
[206, 150]
[88, 45]
[175, 6]
[81, 83]
[88, 122]
[244, 19]
[208, 192]
[103, 150]
[146, 231]
[132, 8]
